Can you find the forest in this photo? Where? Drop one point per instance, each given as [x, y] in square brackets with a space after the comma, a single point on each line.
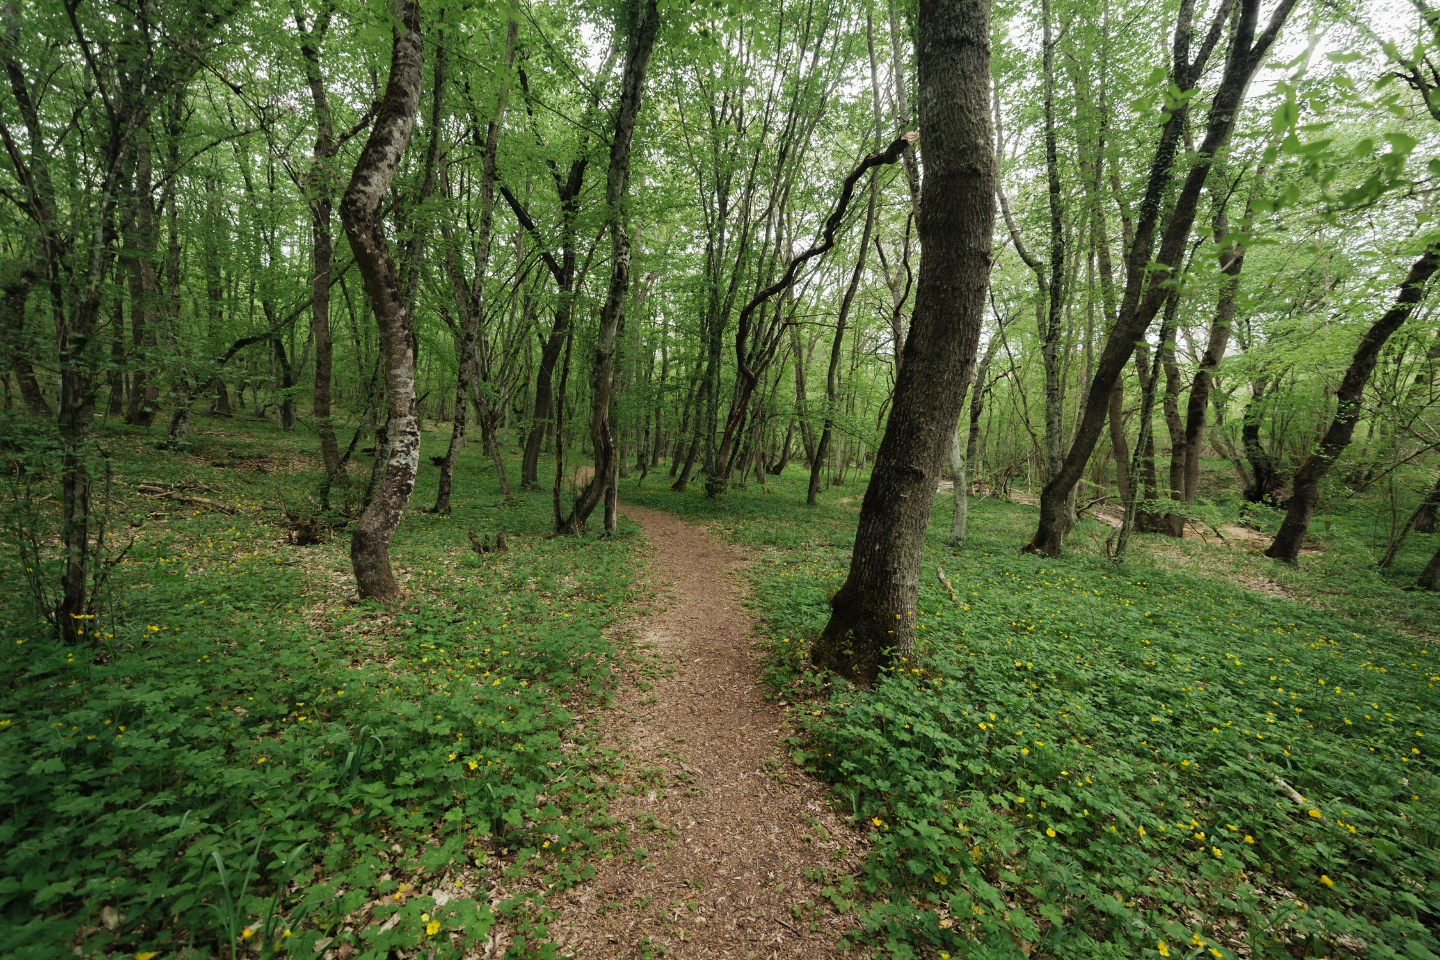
[1061, 378]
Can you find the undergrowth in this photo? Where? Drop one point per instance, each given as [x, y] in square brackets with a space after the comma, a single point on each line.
[1087, 760]
[247, 757]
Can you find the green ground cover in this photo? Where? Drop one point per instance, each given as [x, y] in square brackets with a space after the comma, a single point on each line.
[246, 755]
[1097, 761]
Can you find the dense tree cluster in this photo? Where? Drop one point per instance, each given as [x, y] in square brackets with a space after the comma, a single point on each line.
[716, 238]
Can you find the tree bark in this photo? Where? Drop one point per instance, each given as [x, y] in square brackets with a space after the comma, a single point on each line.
[318, 183]
[872, 619]
[1050, 331]
[832, 386]
[144, 289]
[360, 213]
[1305, 487]
[641, 34]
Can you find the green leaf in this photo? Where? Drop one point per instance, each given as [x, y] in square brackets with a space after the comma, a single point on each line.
[1402, 143]
[1285, 116]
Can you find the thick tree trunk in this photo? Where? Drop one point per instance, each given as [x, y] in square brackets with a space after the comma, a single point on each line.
[1051, 332]
[360, 212]
[1145, 288]
[1305, 487]
[641, 42]
[873, 615]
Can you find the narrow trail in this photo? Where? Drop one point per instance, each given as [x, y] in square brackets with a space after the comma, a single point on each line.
[737, 827]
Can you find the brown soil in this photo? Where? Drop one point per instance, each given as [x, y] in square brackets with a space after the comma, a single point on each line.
[740, 827]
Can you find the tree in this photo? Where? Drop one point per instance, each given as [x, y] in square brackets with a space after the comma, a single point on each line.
[360, 212]
[644, 24]
[873, 615]
[1305, 487]
[133, 61]
[1147, 287]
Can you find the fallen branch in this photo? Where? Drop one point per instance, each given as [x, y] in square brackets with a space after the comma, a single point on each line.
[1294, 794]
[944, 582]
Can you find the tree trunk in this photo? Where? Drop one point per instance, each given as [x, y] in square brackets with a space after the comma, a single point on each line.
[144, 290]
[115, 376]
[961, 482]
[832, 386]
[1050, 332]
[641, 41]
[1173, 524]
[286, 407]
[1146, 289]
[1119, 450]
[361, 214]
[1142, 464]
[14, 292]
[1425, 509]
[1232, 257]
[469, 303]
[322, 243]
[873, 615]
[1429, 578]
[1264, 465]
[1305, 487]
[778, 467]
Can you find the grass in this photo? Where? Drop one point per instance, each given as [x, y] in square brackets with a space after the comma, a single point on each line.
[1084, 761]
[1097, 761]
[247, 756]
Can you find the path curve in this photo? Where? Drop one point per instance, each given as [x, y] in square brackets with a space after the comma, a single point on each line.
[751, 826]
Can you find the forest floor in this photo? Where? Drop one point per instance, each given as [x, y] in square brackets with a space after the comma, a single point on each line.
[611, 747]
[747, 839]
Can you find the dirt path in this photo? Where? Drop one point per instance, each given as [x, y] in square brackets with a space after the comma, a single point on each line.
[737, 826]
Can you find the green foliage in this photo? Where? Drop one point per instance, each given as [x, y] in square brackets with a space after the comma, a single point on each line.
[1089, 761]
[249, 754]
